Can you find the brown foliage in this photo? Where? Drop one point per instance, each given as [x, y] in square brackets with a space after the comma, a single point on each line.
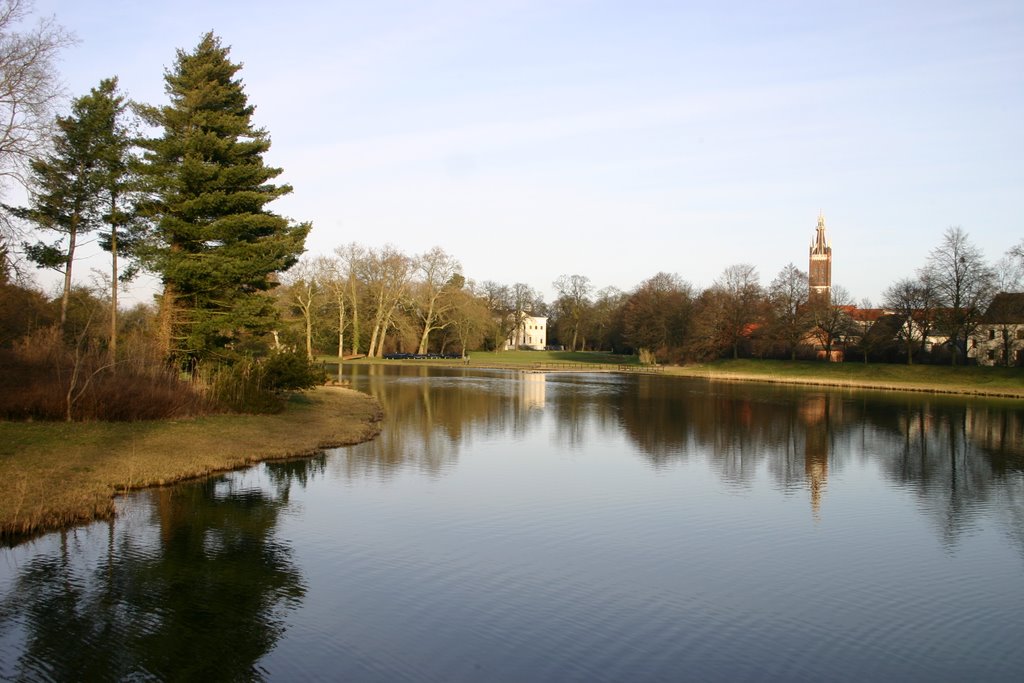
[41, 375]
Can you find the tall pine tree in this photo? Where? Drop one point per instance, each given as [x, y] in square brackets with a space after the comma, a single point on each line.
[67, 183]
[214, 246]
[114, 182]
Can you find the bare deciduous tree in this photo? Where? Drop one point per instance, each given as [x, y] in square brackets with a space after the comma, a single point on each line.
[30, 91]
[913, 300]
[469, 317]
[832, 322]
[787, 296]
[353, 260]
[964, 283]
[573, 302]
[302, 289]
[741, 303]
[387, 276]
[657, 315]
[441, 274]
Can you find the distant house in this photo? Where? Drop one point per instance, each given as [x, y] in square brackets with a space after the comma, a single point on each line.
[532, 333]
[999, 339]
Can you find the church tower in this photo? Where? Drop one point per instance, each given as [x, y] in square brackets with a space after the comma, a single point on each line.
[819, 274]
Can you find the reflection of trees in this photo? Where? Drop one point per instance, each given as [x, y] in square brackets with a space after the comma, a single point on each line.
[582, 409]
[430, 413]
[657, 417]
[737, 426]
[284, 473]
[934, 454]
[198, 594]
[954, 454]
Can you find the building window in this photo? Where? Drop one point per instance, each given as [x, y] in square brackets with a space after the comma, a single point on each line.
[991, 334]
[991, 354]
[1020, 333]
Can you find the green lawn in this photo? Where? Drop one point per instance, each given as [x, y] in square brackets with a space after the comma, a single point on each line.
[971, 379]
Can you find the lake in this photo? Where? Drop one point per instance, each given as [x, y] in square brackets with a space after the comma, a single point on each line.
[514, 526]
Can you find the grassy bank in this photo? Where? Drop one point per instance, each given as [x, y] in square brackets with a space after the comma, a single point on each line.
[56, 474]
[979, 381]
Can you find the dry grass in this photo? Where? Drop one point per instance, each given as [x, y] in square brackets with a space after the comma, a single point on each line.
[44, 378]
[57, 474]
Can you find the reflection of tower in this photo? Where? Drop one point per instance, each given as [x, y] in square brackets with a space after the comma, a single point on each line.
[814, 413]
[532, 389]
[819, 274]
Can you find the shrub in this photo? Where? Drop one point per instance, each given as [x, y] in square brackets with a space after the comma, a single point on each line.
[44, 378]
[253, 385]
[290, 372]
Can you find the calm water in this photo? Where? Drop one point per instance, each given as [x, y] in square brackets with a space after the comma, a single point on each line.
[531, 527]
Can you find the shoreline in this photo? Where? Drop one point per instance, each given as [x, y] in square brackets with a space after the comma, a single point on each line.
[715, 373]
[59, 475]
[55, 475]
[863, 385]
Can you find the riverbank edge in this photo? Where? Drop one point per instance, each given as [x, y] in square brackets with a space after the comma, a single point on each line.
[717, 374]
[920, 388]
[46, 487]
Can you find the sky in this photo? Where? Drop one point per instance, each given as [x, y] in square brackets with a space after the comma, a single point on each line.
[613, 139]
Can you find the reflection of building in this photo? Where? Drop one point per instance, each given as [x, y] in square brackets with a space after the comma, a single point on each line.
[996, 430]
[531, 333]
[532, 389]
[814, 414]
[819, 273]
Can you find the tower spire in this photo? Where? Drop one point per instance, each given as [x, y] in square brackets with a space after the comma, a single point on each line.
[820, 271]
[820, 244]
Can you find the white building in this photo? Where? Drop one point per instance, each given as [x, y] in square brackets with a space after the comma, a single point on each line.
[999, 338]
[532, 333]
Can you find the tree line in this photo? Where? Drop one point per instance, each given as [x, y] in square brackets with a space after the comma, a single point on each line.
[369, 301]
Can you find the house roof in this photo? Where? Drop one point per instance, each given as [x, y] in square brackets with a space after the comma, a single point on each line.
[886, 326]
[1006, 307]
[867, 315]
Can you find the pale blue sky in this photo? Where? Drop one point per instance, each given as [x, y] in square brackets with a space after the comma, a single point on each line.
[615, 139]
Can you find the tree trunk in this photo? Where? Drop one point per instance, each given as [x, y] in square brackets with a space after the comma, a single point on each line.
[165, 319]
[355, 318]
[66, 297]
[341, 326]
[424, 338]
[112, 348]
[309, 333]
[373, 340]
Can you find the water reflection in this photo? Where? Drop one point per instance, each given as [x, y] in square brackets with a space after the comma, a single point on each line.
[432, 415]
[197, 587]
[952, 453]
[528, 526]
